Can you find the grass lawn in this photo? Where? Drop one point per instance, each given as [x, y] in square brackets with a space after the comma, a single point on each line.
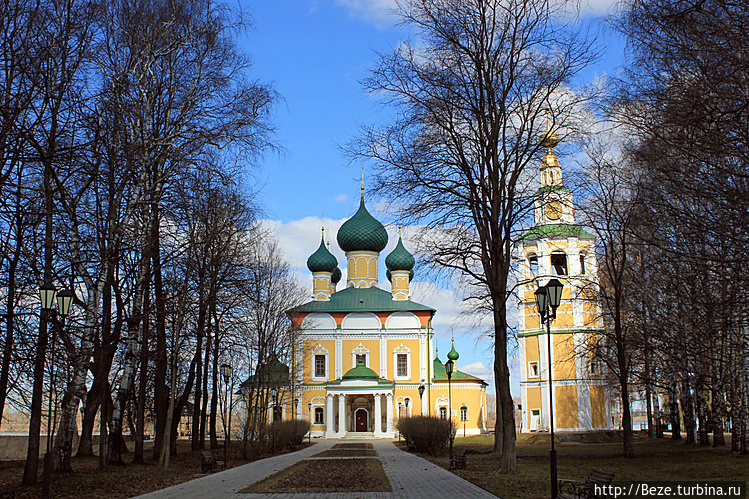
[660, 459]
[326, 475]
[88, 482]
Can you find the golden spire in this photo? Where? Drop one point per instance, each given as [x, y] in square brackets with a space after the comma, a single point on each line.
[362, 182]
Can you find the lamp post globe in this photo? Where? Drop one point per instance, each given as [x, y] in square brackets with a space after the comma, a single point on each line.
[64, 302]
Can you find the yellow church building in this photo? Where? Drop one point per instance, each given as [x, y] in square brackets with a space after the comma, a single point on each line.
[361, 353]
[555, 247]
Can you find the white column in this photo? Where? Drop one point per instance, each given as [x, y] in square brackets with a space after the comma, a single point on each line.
[330, 417]
[390, 428]
[341, 415]
[377, 416]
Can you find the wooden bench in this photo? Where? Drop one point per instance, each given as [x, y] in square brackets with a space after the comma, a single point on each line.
[576, 490]
[210, 461]
[458, 462]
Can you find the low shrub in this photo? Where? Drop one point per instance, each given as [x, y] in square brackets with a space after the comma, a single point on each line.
[428, 434]
[290, 432]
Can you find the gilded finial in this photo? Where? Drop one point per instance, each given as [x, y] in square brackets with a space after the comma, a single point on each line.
[549, 139]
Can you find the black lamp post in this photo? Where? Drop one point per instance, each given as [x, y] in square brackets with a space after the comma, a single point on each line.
[547, 299]
[273, 393]
[47, 293]
[226, 371]
[421, 396]
[311, 420]
[293, 410]
[449, 371]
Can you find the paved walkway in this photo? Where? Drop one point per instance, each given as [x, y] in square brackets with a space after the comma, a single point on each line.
[410, 476]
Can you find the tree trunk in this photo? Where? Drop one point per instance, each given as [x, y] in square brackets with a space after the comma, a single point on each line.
[138, 456]
[687, 405]
[214, 382]
[702, 430]
[161, 401]
[673, 406]
[719, 439]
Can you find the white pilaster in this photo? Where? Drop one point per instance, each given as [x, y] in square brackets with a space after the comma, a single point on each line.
[390, 427]
[422, 356]
[338, 357]
[377, 416]
[383, 358]
[341, 415]
[329, 417]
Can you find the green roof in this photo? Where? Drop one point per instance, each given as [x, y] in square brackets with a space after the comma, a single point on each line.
[362, 232]
[552, 188]
[400, 258]
[361, 300]
[557, 230]
[361, 371]
[440, 374]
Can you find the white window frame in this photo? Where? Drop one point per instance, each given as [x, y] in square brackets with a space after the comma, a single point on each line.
[402, 349]
[530, 369]
[360, 350]
[528, 258]
[320, 350]
[322, 411]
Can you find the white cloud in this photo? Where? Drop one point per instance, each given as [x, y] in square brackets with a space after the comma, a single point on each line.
[378, 12]
[341, 198]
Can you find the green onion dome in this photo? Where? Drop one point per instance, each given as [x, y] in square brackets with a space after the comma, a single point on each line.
[322, 260]
[400, 258]
[390, 276]
[336, 277]
[362, 232]
[453, 354]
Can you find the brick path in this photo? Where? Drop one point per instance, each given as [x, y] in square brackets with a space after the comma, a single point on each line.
[410, 476]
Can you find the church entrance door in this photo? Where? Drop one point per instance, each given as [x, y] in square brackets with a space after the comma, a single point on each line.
[361, 420]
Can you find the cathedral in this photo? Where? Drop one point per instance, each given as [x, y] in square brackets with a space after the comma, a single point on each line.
[555, 247]
[363, 356]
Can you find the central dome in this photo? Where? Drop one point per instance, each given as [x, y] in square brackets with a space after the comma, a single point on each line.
[362, 232]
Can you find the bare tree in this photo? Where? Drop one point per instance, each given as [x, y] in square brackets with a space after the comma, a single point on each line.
[470, 101]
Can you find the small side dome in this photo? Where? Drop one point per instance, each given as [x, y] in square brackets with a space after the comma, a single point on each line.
[400, 258]
[361, 371]
[362, 232]
[453, 354]
[322, 260]
[336, 277]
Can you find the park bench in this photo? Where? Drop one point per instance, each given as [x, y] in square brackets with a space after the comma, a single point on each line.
[458, 462]
[209, 461]
[575, 490]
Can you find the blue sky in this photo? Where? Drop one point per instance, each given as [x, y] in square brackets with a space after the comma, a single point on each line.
[315, 52]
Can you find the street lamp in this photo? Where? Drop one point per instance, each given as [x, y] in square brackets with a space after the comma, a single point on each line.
[547, 299]
[273, 393]
[226, 371]
[309, 408]
[421, 395]
[449, 371]
[47, 294]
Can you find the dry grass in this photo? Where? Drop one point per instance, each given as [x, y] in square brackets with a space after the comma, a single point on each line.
[88, 482]
[660, 459]
[326, 475]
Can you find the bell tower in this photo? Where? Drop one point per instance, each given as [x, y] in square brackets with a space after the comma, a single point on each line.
[555, 247]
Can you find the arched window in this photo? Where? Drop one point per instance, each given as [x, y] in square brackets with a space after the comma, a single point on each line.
[582, 263]
[558, 263]
[533, 264]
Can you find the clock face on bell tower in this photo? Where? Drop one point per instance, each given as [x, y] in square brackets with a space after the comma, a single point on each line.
[553, 210]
